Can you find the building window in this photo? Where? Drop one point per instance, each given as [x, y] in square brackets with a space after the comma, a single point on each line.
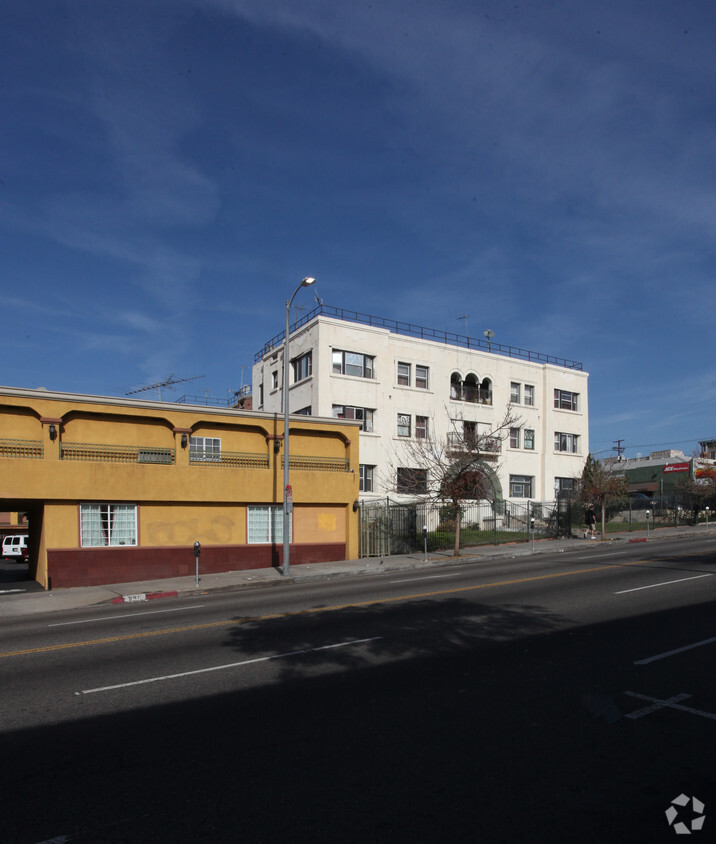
[265, 524]
[564, 400]
[274, 380]
[363, 414]
[403, 424]
[514, 437]
[515, 392]
[529, 395]
[302, 367]
[421, 377]
[521, 486]
[529, 439]
[412, 481]
[352, 363]
[261, 395]
[304, 411]
[563, 485]
[102, 525]
[366, 477]
[204, 449]
[404, 374]
[421, 427]
[566, 442]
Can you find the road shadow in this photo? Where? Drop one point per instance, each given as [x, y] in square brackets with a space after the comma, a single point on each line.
[383, 630]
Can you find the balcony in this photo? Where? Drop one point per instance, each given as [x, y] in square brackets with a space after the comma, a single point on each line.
[474, 444]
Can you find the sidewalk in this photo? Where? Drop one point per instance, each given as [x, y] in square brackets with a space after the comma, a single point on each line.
[26, 603]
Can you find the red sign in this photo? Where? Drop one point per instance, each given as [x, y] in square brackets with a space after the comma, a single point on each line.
[676, 467]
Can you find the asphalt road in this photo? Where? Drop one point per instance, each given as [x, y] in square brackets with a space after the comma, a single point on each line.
[537, 699]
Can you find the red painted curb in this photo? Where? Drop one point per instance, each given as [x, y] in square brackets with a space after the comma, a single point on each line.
[117, 600]
[638, 540]
[151, 595]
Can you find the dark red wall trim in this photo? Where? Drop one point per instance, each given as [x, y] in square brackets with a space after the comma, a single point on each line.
[99, 566]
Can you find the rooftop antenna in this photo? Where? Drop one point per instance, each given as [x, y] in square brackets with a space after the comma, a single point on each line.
[489, 333]
[167, 382]
[318, 298]
[298, 309]
[466, 317]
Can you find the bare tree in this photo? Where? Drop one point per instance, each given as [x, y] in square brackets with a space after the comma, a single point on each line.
[453, 469]
[601, 484]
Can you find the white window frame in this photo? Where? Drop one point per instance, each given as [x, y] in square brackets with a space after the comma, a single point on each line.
[404, 424]
[362, 414]
[528, 437]
[205, 449]
[108, 525]
[422, 377]
[515, 392]
[567, 443]
[521, 486]
[366, 472]
[529, 395]
[422, 428]
[302, 367]
[341, 363]
[566, 400]
[264, 524]
[404, 374]
[514, 437]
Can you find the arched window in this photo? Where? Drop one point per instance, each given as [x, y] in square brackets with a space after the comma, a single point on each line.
[485, 391]
[471, 388]
[456, 386]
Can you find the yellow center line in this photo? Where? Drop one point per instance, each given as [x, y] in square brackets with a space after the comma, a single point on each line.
[314, 610]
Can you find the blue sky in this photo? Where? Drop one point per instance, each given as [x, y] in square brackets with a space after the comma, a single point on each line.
[170, 170]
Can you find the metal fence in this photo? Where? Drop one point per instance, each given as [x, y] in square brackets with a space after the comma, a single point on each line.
[387, 527]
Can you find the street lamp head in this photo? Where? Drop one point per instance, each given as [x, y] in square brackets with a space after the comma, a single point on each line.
[308, 281]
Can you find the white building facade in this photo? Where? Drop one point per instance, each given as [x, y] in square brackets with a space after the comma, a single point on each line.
[408, 384]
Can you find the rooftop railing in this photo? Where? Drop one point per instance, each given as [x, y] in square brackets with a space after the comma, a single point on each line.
[410, 330]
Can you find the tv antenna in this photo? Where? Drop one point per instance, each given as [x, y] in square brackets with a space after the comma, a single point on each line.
[489, 333]
[167, 382]
[466, 317]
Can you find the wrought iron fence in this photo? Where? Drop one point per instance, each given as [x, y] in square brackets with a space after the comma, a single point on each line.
[388, 527]
[21, 448]
[105, 453]
[230, 459]
[316, 464]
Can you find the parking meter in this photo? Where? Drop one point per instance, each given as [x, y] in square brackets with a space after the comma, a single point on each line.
[647, 522]
[197, 551]
[425, 541]
[532, 531]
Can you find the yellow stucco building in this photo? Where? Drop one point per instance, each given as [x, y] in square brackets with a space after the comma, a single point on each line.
[118, 490]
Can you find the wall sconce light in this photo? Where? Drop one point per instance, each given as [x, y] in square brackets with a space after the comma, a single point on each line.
[356, 505]
[52, 431]
[184, 440]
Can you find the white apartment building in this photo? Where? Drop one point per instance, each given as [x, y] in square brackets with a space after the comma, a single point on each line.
[406, 383]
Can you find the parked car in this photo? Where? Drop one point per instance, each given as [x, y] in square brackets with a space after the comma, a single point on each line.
[640, 501]
[15, 547]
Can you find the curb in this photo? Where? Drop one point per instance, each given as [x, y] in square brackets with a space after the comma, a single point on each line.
[143, 596]
[643, 539]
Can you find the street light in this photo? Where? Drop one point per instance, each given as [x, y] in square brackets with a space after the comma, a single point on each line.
[287, 492]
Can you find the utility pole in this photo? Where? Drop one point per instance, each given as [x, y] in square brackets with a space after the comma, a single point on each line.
[619, 448]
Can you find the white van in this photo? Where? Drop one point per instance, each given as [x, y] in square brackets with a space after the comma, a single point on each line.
[15, 547]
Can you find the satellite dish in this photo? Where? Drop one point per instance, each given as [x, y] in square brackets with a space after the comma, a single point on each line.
[489, 333]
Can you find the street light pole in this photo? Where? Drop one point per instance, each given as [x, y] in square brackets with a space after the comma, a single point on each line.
[287, 493]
